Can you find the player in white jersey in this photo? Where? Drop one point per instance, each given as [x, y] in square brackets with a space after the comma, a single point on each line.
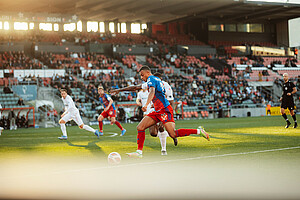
[142, 97]
[71, 113]
[1, 128]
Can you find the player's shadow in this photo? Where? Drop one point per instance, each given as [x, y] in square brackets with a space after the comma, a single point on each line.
[91, 146]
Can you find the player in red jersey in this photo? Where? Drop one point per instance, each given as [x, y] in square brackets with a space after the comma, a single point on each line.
[163, 113]
[109, 111]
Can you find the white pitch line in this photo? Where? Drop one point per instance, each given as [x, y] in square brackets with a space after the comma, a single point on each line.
[183, 159]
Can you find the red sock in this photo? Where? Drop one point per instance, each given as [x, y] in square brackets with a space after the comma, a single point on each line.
[119, 125]
[185, 132]
[140, 139]
[101, 126]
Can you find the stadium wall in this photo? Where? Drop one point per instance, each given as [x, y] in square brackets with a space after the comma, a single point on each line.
[238, 37]
[282, 30]
[247, 112]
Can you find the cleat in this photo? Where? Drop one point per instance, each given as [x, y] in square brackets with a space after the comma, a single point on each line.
[135, 155]
[295, 125]
[164, 153]
[123, 132]
[63, 137]
[101, 133]
[175, 141]
[1, 129]
[97, 133]
[288, 123]
[203, 133]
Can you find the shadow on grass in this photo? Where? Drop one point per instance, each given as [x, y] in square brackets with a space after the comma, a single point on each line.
[91, 146]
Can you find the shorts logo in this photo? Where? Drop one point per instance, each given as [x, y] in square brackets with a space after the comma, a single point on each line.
[111, 112]
[164, 117]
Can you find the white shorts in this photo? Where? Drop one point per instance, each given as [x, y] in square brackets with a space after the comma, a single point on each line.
[73, 116]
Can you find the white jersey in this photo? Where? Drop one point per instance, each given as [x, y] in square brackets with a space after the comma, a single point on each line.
[69, 105]
[169, 91]
[143, 96]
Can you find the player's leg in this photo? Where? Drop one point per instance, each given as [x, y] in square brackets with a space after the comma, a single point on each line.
[288, 123]
[81, 125]
[157, 130]
[170, 128]
[294, 117]
[114, 121]
[100, 120]
[141, 127]
[63, 128]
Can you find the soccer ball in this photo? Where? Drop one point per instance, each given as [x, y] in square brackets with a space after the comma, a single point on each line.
[114, 158]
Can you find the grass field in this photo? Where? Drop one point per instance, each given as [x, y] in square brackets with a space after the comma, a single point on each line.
[247, 158]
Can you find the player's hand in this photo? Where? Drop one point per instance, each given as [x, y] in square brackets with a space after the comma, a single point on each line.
[289, 94]
[139, 104]
[62, 115]
[144, 109]
[105, 109]
[114, 92]
[280, 99]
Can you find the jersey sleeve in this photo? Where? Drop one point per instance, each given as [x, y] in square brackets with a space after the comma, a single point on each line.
[139, 95]
[151, 82]
[292, 85]
[107, 97]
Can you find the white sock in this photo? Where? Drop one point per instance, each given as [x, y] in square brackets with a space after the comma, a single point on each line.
[63, 129]
[163, 140]
[139, 151]
[88, 128]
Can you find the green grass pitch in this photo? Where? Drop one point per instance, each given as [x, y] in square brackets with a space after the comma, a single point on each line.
[232, 135]
[247, 158]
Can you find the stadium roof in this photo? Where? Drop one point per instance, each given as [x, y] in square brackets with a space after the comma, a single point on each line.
[160, 11]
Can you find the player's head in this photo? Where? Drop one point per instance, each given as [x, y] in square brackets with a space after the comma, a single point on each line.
[157, 74]
[100, 90]
[63, 93]
[145, 72]
[285, 77]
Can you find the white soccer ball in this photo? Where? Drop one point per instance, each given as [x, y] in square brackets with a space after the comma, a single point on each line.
[114, 158]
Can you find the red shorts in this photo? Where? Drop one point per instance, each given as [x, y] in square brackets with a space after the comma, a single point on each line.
[164, 115]
[110, 113]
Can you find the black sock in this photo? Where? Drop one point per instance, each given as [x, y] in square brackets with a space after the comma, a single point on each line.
[294, 118]
[285, 117]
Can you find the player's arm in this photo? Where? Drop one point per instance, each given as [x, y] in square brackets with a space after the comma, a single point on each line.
[150, 97]
[129, 88]
[138, 102]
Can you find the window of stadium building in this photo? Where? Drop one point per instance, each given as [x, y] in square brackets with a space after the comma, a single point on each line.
[92, 26]
[123, 27]
[230, 27]
[135, 28]
[31, 25]
[69, 27]
[21, 26]
[45, 26]
[6, 26]
[55, 27]
[102, 27]
[111, 27]
[216, 27]
[256, 28]
[79, 26]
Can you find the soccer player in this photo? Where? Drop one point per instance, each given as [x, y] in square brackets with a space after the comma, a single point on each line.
[1, 128]
[287, 101]
[155, 130]
[71, 113]
[109, 111]
[163, 113]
